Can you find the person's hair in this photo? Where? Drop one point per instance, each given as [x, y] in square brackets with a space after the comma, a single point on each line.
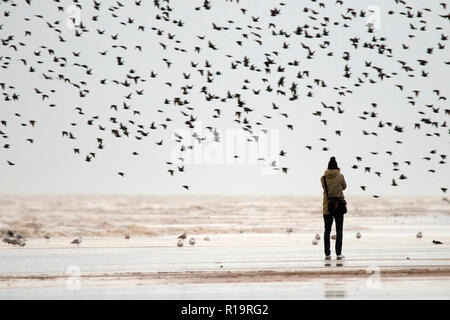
[332, 164]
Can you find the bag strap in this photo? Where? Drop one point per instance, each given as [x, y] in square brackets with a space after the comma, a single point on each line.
[325, 184]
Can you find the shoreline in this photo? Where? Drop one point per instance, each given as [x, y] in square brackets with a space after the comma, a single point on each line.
[248, 275]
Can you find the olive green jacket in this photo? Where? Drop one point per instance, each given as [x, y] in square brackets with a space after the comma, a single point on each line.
[335, 183]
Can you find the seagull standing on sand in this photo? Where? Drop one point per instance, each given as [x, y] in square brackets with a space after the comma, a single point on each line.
[77, 241]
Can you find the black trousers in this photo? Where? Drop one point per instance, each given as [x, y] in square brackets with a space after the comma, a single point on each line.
[328, 220]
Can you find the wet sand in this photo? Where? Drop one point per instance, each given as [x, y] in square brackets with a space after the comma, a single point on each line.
[319, 288]
[256, 260]
[247, 266]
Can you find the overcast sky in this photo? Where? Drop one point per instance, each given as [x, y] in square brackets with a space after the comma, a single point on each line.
[49, 164]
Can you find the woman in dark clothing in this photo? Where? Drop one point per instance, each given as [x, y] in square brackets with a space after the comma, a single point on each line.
[335, 184]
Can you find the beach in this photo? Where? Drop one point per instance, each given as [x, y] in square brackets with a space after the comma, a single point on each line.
[242, 248]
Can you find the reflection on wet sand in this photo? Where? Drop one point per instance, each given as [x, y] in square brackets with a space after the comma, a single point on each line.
[329, 263]
[335, 289]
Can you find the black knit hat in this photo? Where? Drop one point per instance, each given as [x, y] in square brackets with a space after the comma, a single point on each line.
[332, 164]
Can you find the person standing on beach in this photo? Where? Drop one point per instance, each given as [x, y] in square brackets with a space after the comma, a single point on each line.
[334, 186]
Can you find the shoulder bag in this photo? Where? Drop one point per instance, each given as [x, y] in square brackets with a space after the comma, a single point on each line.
[335, 204]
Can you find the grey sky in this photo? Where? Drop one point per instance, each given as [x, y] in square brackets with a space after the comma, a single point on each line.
[50, 166]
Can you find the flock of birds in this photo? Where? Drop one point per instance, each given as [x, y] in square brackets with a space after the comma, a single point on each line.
[358, 235]
[16, 239]
[105, 30]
